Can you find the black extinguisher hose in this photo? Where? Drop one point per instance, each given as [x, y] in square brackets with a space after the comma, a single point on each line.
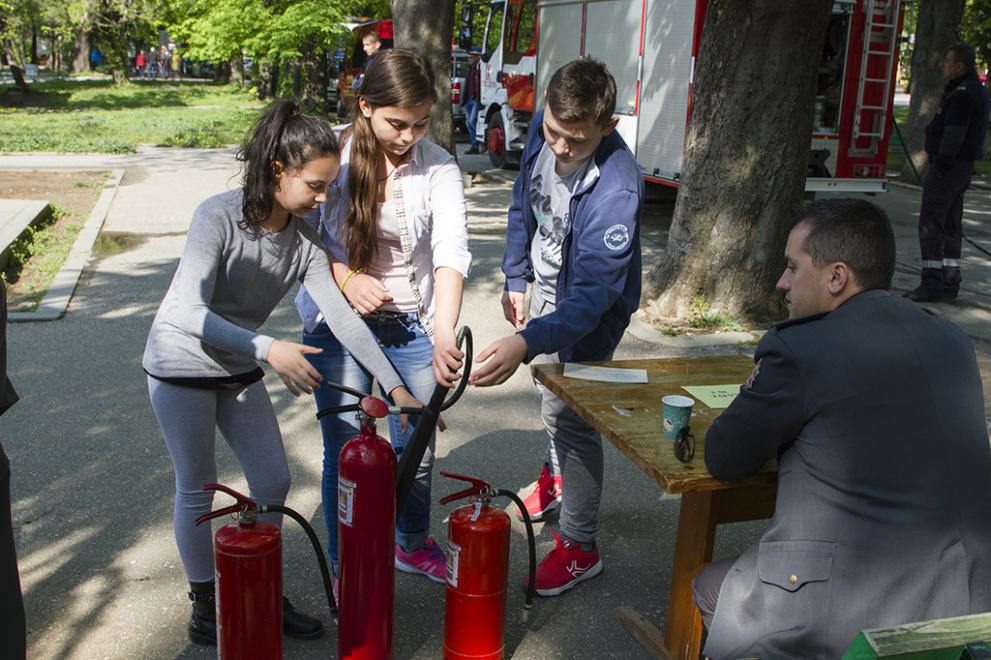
[315, 542]
[531, 588]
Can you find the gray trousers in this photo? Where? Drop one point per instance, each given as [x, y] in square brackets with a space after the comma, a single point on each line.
[189, 419]
[706, 586]
[574, 451]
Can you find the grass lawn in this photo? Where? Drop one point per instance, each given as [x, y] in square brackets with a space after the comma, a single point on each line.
[896, 155]
[38, 254]
[98, 116]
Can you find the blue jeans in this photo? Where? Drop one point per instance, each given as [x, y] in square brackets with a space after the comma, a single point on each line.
[405, 342]
[472, 108]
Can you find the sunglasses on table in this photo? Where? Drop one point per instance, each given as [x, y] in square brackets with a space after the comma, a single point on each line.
[684, 445]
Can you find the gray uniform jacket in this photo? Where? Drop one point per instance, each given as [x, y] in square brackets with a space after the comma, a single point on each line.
[883, 516]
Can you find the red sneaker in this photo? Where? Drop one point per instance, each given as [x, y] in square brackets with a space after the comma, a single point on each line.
[565, 566]
[545, 498]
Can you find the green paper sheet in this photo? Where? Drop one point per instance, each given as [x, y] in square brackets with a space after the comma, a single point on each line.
[714, 396]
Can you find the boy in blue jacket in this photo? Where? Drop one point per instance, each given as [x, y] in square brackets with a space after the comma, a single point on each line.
[574, 235]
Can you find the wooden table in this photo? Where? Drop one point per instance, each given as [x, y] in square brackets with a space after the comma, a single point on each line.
[705, 501]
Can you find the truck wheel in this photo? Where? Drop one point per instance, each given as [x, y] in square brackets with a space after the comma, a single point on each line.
[495, 141]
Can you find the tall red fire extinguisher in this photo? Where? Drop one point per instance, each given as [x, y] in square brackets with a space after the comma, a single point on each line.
[478, 572]
[366, 524]
[248, 561]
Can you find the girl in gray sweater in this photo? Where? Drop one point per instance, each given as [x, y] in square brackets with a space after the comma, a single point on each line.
[246, 248]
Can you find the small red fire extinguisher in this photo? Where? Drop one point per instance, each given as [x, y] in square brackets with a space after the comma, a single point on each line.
[366, 524]
[248, 561]
[478, 572]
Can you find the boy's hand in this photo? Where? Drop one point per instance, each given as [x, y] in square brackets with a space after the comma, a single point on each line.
[365, 293]
[503, 358]
[513, 303]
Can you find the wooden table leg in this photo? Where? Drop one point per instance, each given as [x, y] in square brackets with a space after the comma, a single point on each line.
[693, 549]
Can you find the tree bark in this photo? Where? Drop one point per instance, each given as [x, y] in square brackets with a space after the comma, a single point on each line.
[81, 61]
[313, 70]
[936, 30]
[427, 26]
[746, 157]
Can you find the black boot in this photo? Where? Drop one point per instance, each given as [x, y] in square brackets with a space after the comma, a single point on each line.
[299, 625]
[203, 623]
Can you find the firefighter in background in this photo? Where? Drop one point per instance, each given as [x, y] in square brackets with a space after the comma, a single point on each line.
[954, 140]
[472, 98]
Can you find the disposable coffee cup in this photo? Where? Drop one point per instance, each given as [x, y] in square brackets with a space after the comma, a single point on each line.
[677, 412]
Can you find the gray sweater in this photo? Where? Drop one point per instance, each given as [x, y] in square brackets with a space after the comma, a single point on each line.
[227, 284]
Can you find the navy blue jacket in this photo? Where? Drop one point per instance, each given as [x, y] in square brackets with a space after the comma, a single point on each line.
[964, 103]
[598, 288]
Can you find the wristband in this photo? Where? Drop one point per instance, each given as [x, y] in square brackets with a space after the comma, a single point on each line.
[347, 277]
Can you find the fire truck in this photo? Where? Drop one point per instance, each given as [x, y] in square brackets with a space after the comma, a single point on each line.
[650, 46]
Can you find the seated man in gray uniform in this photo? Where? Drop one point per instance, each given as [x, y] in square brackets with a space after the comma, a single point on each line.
[873, 409]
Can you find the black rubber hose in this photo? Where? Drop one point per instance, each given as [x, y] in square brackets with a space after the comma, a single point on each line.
[333, 410]
[324, 571]
[531, 588]
[426, 423]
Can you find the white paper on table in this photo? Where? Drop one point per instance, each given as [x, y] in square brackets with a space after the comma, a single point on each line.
[605, 374]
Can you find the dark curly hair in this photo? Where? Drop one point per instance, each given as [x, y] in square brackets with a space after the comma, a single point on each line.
[285, 135]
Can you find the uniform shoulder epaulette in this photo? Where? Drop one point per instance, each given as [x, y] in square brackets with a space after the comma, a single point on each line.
[802, 320]
[962, 87]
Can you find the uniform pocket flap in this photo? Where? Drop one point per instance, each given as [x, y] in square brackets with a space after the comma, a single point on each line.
[792, 564]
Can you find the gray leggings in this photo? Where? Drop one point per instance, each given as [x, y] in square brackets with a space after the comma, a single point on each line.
[189, 419]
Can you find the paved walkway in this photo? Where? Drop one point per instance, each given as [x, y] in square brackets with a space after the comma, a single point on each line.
[92, 484]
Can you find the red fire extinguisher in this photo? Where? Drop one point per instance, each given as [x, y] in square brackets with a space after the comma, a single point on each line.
[366, 524]
[371, 489]
[248, 560]
[478, 572]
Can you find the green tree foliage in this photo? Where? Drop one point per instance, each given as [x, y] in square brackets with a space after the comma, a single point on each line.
[975, 28]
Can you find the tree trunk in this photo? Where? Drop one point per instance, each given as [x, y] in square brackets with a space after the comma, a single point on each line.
[937, 29]
[81, 61]
[427, 25]
[746, 157]
[264, 73]
[313, 70]
[236, 68]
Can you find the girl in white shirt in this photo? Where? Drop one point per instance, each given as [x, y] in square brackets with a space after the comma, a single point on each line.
[395, 224]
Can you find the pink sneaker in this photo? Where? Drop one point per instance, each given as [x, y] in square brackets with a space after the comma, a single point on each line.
[565, 566]
[428, 560]
[545, 498]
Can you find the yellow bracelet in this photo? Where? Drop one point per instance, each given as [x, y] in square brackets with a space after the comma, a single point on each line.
[347, 277]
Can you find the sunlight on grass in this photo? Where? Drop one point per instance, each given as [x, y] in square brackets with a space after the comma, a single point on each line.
[97, 116]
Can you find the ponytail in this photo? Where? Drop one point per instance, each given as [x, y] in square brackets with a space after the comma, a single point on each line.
[396, 77]
[285, 135]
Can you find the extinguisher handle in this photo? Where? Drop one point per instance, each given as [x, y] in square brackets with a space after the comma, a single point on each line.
[478, 487]
[243, 503]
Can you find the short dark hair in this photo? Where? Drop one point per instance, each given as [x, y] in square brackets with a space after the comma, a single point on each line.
[964, 54]
[855, 232]
[373, 34]
[582, 89]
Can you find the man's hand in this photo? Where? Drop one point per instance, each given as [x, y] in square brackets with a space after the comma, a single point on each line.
[365, 293]
[503, 359]
[513, 303]
[447, 358]
[289, 361]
